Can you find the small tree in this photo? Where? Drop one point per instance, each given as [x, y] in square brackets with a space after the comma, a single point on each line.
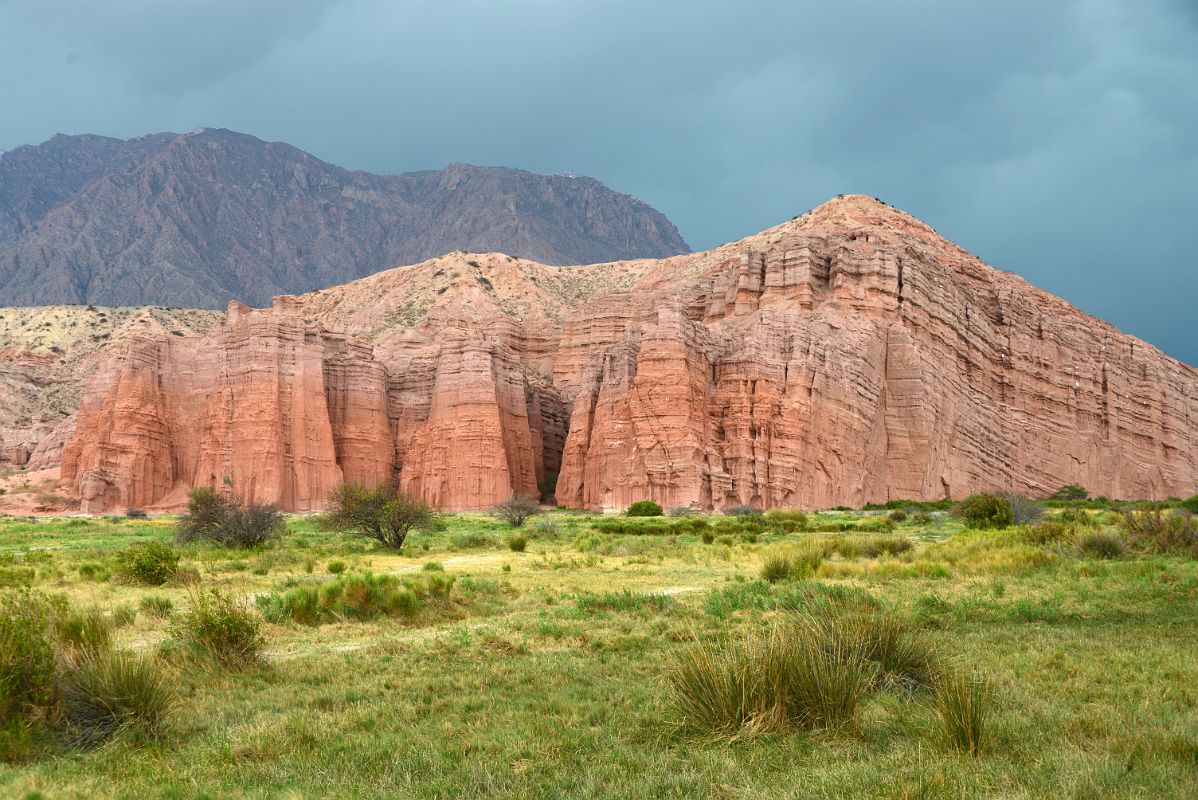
[383, 513]
[1071, 491]
[515, 512]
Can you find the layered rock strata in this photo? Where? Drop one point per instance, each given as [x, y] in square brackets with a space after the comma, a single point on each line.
[849, 355]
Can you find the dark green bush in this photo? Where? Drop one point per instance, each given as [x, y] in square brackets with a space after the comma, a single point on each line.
[644, 508]
[987, 511]
[517, 543]
[135, 513]
[1190, 504]
[150, 563]
[215, 518]
[1071, 491]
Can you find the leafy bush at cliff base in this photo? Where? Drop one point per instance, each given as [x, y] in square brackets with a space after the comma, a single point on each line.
[1190, 504]
[148, 563]
[987, 511]
[515, 512]
[383, 513]
[644, 508]
[1070, 491]
[215, 518]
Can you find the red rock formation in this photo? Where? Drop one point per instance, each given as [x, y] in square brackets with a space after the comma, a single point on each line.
[849, 355]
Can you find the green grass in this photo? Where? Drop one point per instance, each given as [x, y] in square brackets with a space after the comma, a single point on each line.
[544, 673]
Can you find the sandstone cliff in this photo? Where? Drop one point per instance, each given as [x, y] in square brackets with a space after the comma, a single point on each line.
[846, 356]
[203, 218]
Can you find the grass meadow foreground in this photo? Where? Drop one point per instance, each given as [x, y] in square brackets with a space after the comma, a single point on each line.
[841, 655]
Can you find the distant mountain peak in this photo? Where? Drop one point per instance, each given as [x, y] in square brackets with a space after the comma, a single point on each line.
[211, 215]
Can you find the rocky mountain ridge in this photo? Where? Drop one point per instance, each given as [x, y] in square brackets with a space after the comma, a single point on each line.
[846, 356]
[199, 219]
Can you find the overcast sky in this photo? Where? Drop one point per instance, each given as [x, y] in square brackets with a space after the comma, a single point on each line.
[1054, 138]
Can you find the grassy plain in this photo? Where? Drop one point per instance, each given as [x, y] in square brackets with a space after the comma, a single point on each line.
[543, 676]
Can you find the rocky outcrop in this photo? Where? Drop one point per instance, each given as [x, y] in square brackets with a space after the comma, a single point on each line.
[210, 216]
[847, 356]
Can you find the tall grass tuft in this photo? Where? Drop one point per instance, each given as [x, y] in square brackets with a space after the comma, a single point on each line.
[106, 693]
[963, 703]
[798, 676]
[905, 659]
[1101, 544]
[218, 630]
[83, 631]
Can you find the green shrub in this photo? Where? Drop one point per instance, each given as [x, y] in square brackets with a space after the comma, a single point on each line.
[1101, 544]
[644, 508]
[383, 513]
[218, 630]
[793, 562]
[517, 543]
[107, 692]
[157, 606]
[215, 518]
[963, 704]
[135, 513]
[1190, 504]
[799, 676]
[744, 511]
[359, 597]
[1049, 531]
[1077, 516]
[1071, 491]
[336, 567]
[987, 511]
[707, 536]
[27, 657]
[1160, 531]
[898, 515]
[151, 563]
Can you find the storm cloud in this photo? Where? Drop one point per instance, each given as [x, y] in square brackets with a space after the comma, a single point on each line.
[1058, 139]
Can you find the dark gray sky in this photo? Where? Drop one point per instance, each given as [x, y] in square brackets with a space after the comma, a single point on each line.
[1054, 138]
